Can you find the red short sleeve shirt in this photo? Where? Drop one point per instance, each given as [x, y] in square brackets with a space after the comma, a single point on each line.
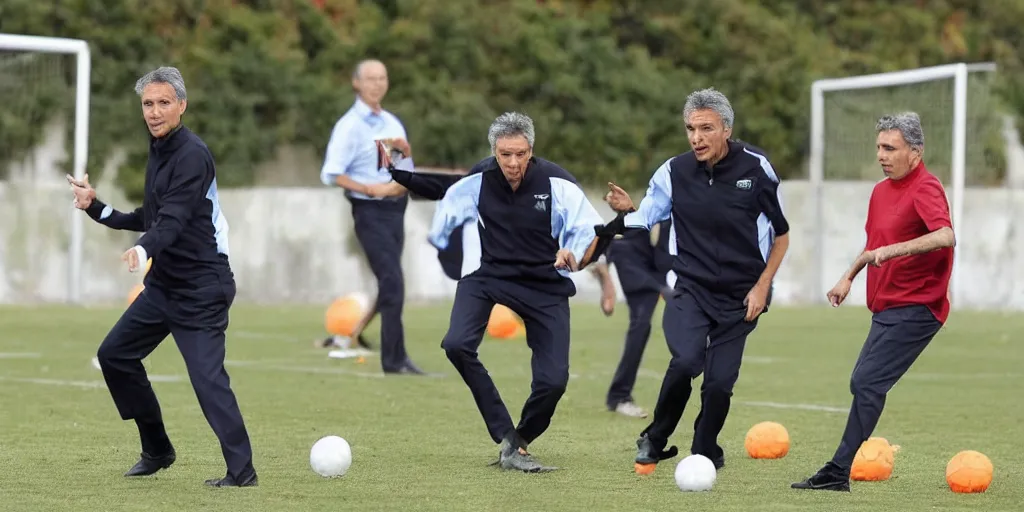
[900, 211]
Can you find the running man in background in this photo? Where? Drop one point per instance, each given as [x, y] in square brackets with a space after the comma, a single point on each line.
[642, 263]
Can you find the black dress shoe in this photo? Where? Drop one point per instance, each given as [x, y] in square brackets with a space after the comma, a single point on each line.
[148, 464]
[828, 478]
[406, 369]
[229, 481]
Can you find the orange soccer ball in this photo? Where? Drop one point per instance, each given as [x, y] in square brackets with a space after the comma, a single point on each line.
[134, 293]
[344, 314]
[503, 323]
[767, 440]
[873, 461]
[969, 471]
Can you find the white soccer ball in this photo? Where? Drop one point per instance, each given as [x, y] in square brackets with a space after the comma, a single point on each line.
[696, 473]
[330, 457]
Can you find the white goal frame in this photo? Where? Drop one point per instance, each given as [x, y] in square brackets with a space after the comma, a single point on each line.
[80, 49]
[959, 73]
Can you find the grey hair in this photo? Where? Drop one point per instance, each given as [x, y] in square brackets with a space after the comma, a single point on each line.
[163, 75]
[511, 124]
[709, 99]
[359, 67]
[908, 124]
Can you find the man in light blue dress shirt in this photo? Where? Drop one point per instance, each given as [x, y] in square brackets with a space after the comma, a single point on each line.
[378, 203]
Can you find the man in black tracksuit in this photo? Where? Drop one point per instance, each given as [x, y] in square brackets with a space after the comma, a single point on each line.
[535, 227]
[188, 290]
[641, 265]
[731, 237]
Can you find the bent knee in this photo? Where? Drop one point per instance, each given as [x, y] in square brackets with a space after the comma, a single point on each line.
[552, 382]
[458, 347]
[862, 385]
[686, 365]
[108, 353]
[551, 386]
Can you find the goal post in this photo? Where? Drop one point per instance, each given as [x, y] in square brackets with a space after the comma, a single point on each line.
[950, 81]
[83, 67]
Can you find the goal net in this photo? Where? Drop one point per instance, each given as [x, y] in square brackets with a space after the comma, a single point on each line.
[962, 148]
[44, 86]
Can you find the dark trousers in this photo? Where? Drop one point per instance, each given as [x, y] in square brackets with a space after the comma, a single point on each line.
[546, 318]
[380, 228]
[641, 309]
[711, 342]
[197, 322]
[897, 337]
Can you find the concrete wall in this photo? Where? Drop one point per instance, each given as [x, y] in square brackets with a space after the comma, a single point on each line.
[295, 244]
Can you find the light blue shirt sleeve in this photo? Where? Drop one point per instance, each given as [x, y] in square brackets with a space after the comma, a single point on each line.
[572, 217]
[458, 206]
[339, 152]
[656, 205]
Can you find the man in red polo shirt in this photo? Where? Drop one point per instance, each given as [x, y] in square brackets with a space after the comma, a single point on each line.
[910, 253]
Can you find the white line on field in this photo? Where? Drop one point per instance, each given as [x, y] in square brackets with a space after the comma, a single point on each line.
[252, 335]
[20, 355]
[86, 384]
[806, 407]
[164, 378]
[256, 365]
[961, 376]
[760, 360]
[301, 369]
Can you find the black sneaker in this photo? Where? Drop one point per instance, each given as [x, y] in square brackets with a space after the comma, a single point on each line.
[229, 481]
[648, 455]
[518, 459]
[828, 478]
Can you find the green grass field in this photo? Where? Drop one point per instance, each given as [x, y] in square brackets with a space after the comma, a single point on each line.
[419, 443]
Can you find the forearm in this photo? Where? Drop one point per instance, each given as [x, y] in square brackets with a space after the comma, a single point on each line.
[775, 257]
[858, 265]
[423, 185]
[391, 189]
[164, 232]
[113, 219]
[938, 239]
[350, 184]
[590, 255]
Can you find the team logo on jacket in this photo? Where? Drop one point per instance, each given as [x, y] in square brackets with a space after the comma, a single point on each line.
[744, 184]
[541, 205]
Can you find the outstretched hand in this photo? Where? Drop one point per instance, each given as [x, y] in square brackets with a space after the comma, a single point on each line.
[618, 199]
[82, 190]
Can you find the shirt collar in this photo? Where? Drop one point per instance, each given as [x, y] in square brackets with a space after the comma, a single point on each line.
[171, 141]
[906, 180]
[732, 149]
[365, 112]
